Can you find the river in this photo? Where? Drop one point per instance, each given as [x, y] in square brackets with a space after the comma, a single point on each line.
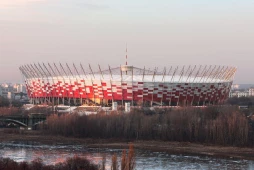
[147, 160]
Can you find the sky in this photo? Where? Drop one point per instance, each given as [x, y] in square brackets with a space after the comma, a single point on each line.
[159, 33]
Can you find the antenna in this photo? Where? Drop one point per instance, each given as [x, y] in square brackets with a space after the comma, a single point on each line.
[126, 57]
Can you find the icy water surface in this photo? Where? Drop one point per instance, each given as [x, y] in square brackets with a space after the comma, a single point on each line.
[147, 160]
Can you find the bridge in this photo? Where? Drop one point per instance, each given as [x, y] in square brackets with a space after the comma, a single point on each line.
[27, 121]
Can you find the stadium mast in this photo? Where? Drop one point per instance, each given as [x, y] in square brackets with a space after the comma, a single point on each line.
[126, 56]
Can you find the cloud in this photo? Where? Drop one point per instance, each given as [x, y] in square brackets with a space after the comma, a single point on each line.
[11, 3]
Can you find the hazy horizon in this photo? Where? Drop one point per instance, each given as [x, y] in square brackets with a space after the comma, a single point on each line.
[159, 33]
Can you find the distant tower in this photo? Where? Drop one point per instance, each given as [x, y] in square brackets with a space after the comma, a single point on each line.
[126, 63]
[125, 68]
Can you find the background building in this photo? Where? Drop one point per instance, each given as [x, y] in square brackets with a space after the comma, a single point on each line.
[251, 91]
[14, 92]
[173, 86]
[239, 93]
[242, 90]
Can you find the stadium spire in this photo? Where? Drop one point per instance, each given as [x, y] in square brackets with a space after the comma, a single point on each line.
[126, 57]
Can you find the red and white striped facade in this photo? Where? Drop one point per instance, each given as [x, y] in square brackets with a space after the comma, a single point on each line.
[187, 85]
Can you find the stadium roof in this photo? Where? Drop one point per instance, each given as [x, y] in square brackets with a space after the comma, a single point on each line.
[187, 74]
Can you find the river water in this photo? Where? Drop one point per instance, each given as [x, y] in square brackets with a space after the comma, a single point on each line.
[147, 160]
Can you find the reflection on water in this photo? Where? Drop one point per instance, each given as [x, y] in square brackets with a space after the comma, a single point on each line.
[52, 154]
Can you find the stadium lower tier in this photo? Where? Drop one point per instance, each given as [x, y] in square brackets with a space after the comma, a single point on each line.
[164, 93]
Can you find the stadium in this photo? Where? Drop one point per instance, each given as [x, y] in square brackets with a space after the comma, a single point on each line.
[169, 86]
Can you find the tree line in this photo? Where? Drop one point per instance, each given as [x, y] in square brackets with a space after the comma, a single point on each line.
[215, 125]
[246, 101]
[4, 102]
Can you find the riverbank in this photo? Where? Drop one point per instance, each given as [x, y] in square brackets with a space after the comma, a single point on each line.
[156, 146]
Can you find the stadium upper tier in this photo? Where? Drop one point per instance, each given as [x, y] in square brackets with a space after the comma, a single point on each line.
[172, 85]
